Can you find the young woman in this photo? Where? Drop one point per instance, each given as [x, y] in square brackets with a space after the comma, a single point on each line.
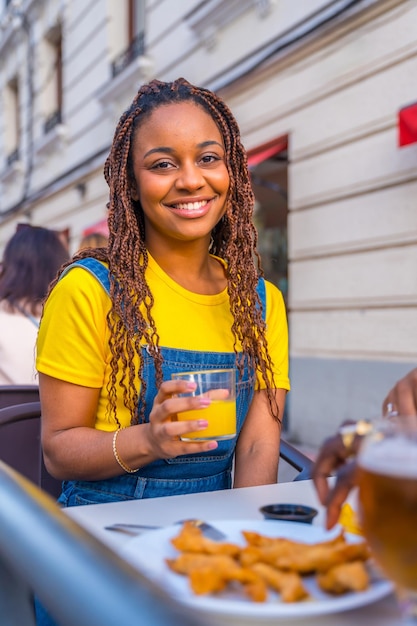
[179, 288]
[31, 260]
[93, 240]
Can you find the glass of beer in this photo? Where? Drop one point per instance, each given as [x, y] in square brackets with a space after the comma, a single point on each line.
[220, 387]
[387, 479]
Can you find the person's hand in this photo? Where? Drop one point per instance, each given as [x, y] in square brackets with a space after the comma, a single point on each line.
[335, 456]
[402, 398]
[164, 430]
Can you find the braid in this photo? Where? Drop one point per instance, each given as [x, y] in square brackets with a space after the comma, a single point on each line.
[234, 239]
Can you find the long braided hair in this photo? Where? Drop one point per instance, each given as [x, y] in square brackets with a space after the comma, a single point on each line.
[234, 239]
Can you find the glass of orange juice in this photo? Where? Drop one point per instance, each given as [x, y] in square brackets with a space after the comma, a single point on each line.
[220, 387]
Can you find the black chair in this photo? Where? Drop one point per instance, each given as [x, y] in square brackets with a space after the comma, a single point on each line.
[18, 394]
[20, 444]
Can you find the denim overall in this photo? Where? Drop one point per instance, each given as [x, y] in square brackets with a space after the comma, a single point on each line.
[208, 471]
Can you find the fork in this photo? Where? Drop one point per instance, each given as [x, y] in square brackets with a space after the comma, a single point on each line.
[136, 529]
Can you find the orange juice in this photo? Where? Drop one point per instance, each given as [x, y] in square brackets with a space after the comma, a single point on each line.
[221, 417]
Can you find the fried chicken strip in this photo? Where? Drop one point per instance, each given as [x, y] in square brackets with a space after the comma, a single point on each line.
[191, 539]
[288, 584]
[344, 577]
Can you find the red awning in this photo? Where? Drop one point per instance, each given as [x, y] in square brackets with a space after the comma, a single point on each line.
[407, 125]
[99, 227]
[256, 157]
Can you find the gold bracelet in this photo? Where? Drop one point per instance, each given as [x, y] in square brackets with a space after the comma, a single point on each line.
[122, 464]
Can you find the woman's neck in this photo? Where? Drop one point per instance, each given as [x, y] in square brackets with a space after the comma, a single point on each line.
[199, 273]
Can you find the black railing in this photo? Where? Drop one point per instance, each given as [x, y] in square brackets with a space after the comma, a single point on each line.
[135, 49]
[52, 120]
[12, 157]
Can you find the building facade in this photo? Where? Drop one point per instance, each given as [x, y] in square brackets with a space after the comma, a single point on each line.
[318, 88]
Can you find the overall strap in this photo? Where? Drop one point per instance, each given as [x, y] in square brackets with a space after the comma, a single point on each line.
[96, 268]
[262, 295]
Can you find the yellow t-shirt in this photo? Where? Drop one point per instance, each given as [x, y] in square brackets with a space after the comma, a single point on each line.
[73, 339]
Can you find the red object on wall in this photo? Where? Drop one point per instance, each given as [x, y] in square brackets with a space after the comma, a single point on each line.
[266, 152]
[407, 125]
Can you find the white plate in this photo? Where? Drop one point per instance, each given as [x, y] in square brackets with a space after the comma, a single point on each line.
[149, 551]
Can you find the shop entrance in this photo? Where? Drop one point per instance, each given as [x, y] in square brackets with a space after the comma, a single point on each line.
[269, 174]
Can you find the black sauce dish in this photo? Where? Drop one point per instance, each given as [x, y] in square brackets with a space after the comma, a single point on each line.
[289, 512]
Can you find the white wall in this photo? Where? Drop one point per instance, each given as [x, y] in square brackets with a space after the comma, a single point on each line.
[352, 199]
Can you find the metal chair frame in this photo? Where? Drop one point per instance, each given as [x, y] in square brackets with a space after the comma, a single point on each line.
[297, 459]
[44, 552]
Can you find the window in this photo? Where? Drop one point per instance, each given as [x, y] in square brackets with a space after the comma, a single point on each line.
[269, 175]
[134, 36]
[136, 24]
[52, 89]
[12, 120]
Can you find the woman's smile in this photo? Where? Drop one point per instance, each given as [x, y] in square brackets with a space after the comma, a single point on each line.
[191, 209]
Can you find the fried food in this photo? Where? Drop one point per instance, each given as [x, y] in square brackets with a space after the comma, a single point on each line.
[288, 584]
[191, 539]
[345, 577]
[207, 580]
[256, 591]
[304, 558]
[268, 563]
[308, 559]
[188, 561]
[210, 580]
[256, 539]
[212, 573]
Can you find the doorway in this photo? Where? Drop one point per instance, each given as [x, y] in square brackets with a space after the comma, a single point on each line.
[269, 175]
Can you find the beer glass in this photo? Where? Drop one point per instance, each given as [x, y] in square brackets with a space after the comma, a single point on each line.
[387, 480]
[220, 387]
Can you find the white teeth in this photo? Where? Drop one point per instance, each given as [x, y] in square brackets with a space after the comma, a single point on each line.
[190, 206]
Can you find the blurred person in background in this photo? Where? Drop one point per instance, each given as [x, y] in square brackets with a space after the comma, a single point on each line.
[93, 240]
[31, 260]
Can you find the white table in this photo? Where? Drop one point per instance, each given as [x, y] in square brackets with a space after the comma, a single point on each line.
[223, 505]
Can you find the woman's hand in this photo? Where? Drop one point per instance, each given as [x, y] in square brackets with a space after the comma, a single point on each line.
[164, 430]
